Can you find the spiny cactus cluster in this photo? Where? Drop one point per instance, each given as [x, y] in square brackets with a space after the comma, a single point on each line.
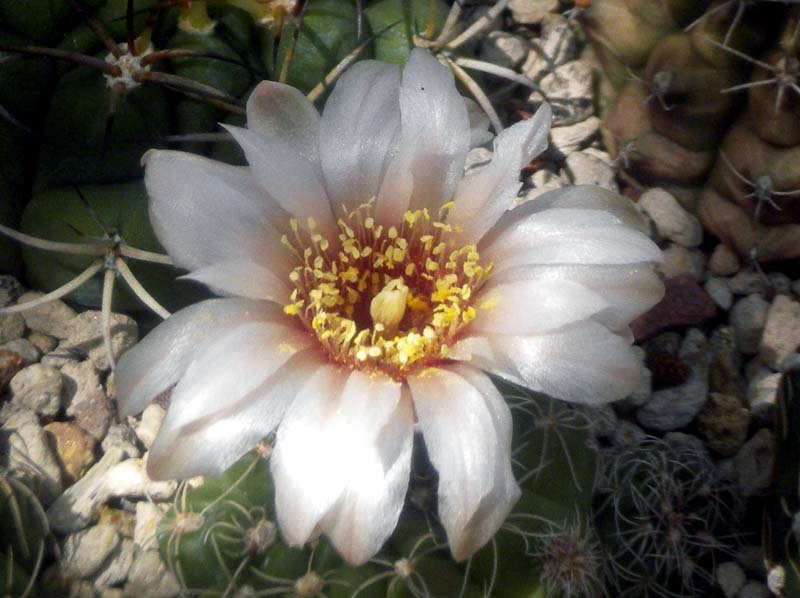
[24, 537]
[782, 518]
[665, 513]
[221, 537]
[705, 97]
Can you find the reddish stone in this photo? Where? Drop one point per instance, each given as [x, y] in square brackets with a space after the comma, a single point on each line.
[10, 364]
[685, 304]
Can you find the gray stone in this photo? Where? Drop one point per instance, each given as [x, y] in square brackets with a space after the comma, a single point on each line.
[762, 394]
[149, 576]
[724, 261]
[628, 433]
[724, 423]
[779, 282]
[796, 287]
[85, 398]
[571, 138]
[680, 260]
[675, 407]
[111, 477]
[119, 564]
[10, 290]
[748, 282]
[543, 181]
[123, 437]
[504, 49]
[791, 363]
[754, 589]
[61, 355]
[12, 327]
[717, 289]
[86, 336]
[570, 92]
[555, 46]
[147, 517]
[755, 462]
[86, 551]
[148, 427]
[25, 348]
[37, 387]
[672, 221]
[531, 12]
[27, 455]
[582, 168]
[748, 317]
[44, 342]
[781, 335]
[730, 578]
[477, 158]
[53, 318]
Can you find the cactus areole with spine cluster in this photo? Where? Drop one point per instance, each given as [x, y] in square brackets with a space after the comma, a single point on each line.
[370, 285]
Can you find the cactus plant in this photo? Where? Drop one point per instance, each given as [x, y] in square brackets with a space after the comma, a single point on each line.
[665, 514]
[24, 536]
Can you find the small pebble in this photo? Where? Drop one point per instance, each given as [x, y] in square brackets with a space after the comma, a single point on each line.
[38, 387]
[25, 453]
[85, 551]
[718, 290]
[10, 364]
[85, 398]
[43, 342]
[117, 566]
[583, 168]
[671, 220]
[781, 335]
[149, 576]
[762, 394]
[504, 49]
[724, 261]
[570, 90]
[754, 589]
[12, 327]
[730, 578]
[148, 427]
[74, 447]
[748, 318]
[86, 337]
[565, 140]
[10, 290]
[755, 462]
[557, 45]
[748, 282]
[53, 318]
[680, 260]
[25, 348]
[724, 423]
[147, 517]
[531, 12]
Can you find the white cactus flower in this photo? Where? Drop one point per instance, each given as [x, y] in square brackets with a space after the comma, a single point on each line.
[369, 285]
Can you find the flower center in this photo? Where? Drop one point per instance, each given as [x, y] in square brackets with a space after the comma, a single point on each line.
[381, 297]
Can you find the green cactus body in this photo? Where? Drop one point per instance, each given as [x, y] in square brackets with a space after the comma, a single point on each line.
[329, 32]
[60, 215]
[40, 20]
[405, 19]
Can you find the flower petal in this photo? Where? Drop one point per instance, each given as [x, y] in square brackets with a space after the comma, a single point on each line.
[465, 438]
[334, 420]
[569, 236]
[205, 212]
[484, 196]
[293, 181]
[367, 512]
[243, 279]
[359, 124]
[549, 305]
[279, 110]
[584, 363]
[160, 359]
[432, 144]
[208, 444]
[498, 502]
[631, 290]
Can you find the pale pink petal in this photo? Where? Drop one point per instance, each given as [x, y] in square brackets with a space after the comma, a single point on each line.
[243, 278]
[569, 236]
[210, 443]
[484, 196]
[577, 197]
[160, 359]
[205, 212]
[279, 110]
[367, 512]
[631, 290]
[334, 420]
[498, 502]
[583, 363]
[548, 305]
[359, 124]
[432, 144]
[294, 182]
[463, 442]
